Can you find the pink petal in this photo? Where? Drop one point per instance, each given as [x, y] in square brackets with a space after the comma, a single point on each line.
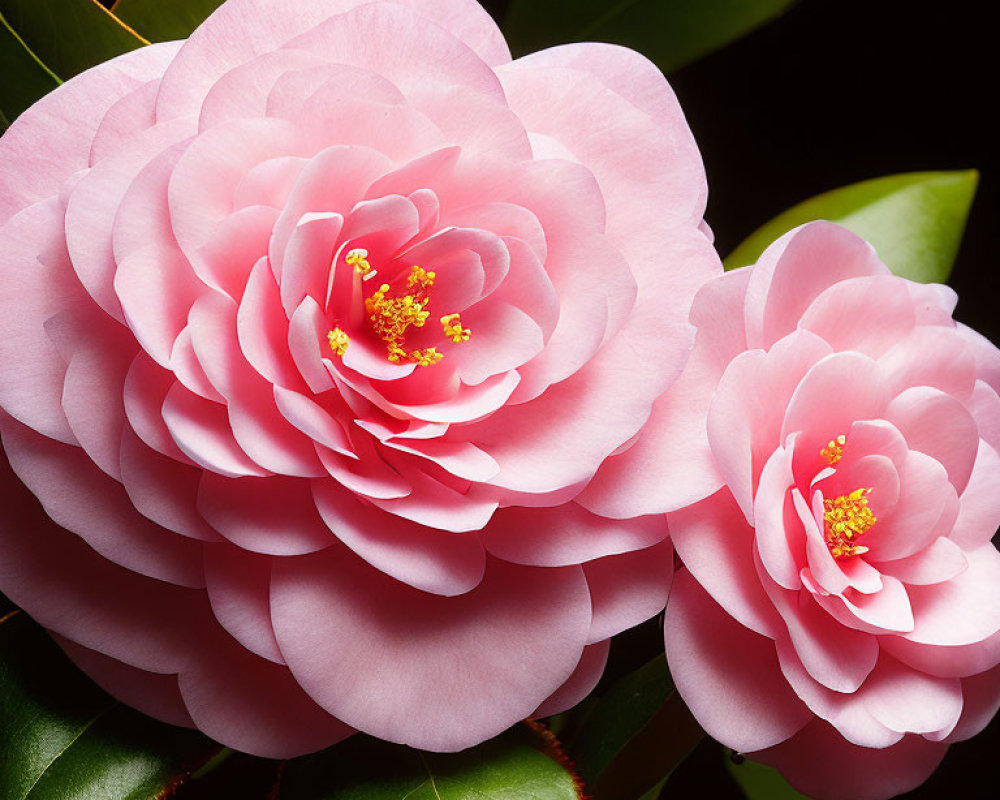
[163, 490]
[566, 534]
[238, 585]
[813, 762]
[931, 356]
[462, 669]
[224, 691]
[938, 425]
[909, 701]
[306, 266]
[794, 270]
[717, 547]
[580, 684]
[981, 694]
[839, 658]
[881, 301]
[273, 516]
[948, 661]
[727, 675]
[979, 515]
[628, 589]
[81, 498]
[963, 610]
[313, 420]
[940, 561]
[238, 242]
[151, 693]
[38, 283]
[912, 524]
[67, 119]
[887, 611]
[146, 387]
[430, 560]
[780, 536]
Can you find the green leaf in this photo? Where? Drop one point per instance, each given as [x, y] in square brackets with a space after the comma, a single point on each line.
[23, 77]
[618, 716]
[62, 738]
[161, 21]
[760, 782]
[671, 33]
[915, 221]
[510, 767]
[69, 36]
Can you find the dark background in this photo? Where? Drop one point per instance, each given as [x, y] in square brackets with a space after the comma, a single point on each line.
[834, 92]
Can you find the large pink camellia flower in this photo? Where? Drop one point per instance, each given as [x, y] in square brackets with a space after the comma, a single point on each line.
[311, 329]
[839, 609]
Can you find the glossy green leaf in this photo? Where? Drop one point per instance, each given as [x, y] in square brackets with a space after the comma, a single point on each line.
[23, 77]
[69, 36]
[510, 767]
[760, 782]
[915, 221]
[618, 716]
[670, 32]
[62, 738]
[161, 21]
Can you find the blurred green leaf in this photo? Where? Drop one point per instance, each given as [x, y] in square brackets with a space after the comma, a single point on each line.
[510, 767]
[671, 33]
[23, 77]
[69, 36]
[62, 738]
[618, 716]
[760, 782]
[915, 221]
[162, 21]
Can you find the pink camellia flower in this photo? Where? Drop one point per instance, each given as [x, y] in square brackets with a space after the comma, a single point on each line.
[839, 609]
[311, 329]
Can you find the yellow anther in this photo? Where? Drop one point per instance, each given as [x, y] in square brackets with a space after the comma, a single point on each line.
[420, 277]
[426, 357]
[834, 450]
[845, 518]
[358, 258]
[338, 341]
[451, 324]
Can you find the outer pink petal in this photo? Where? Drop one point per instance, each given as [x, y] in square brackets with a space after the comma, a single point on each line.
[908, 701]
[581, 683]
[931, 356]
[252, 704]
[956, 661]
[628, 589]
[717, 547]
[940, 561]
[150, 692]
[81, 498]
[436, 673]
[814, 763]
[979, 515]
[963, 610]
[67, 120]
[727, 675]
[273, 515]
[566, 534]
[238, 585]
[431, 560]
[981, 694]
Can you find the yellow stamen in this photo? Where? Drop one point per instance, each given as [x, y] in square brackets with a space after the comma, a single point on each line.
[338, 341]
[845, 519]
[420, 277]
[834, 450]
[451, 324]
[358, 258]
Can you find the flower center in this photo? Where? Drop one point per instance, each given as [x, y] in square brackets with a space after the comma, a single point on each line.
[846, 518]
[392, 310]
[834, 450]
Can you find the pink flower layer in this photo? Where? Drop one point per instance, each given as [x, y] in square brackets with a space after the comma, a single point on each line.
[853, 673]
[247, 532]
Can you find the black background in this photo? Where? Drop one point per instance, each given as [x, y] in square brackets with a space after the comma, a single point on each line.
[834, 92]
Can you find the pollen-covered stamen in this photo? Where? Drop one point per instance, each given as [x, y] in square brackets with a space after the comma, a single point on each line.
[393, 311]
[451, 324]
[845, 519]
[358, 258]
[834, 450]
[338, 341]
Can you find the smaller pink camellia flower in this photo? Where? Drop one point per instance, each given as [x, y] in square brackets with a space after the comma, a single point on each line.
[838, 616]
[312, 327]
